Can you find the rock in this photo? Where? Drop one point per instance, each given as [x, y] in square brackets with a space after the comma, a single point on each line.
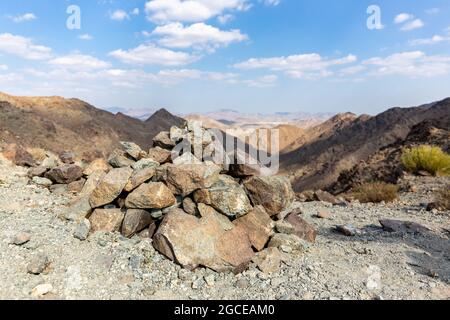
[38, 264]
[110, 187]
[325, 197]
[18, 155]
[58, 189]
[145, 164]
[190, 207]
[37, 171]
[42, 181]
[65, 174]
[78, 210]
[226, 196]
[21, 238]
[186, 158]
[119, 159]
[280, 240]
[135, 220]
[133, 150]
[403, 226]
[139, 177]
[243, 165]
[67, 157]
[301, 228]
[206, 211]
[275, 193]
[348, 230]
[258, 225]
[153, 195]
[176, 134]
[107, 220]
[41, 290]
[269, 260]
[91, 183]
[163, 140]
[323, 214]
[193, 242]
[51, 161]
[82, 229]
[76, 186]
[159, 155]
[185, 179]
[97, 165]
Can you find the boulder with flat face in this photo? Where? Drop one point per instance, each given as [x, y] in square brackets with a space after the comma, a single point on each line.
[133, 150]
[110, 187]
[274, 193]
[226, 196]
[65, 174]
[139, 177]
[91, 183]
[163, 140]
[119, 159]
[135, 221]
[97, 165]
[159, 155]
[300, 228]
[107, 220]
[153, 195]
[185, 179]
[193, 242]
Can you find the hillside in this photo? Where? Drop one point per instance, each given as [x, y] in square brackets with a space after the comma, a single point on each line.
[58, 124]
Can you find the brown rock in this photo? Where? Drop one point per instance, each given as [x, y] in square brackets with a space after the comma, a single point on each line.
[110, 187]
[18, 155]
[282, 240]
[302, 229]
[153, 195]
[107, 220]
[269, 260]
[77, 210]
[67, 157]
[163, 140]
[159, 155]
[194, 242]
[76, 186]
[119, 159]
[226, 196]
[274, 193]
[97, 165]
[403, 226]
[323, 214]
[133, 150]
[139, 177]
[91, 183]
[190, 207]
[65, 174]
[37, 171]
[258, 225]
[325, 197]
[135, 221]
[185, 179]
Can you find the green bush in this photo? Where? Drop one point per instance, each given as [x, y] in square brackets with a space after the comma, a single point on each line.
[376, 192]
[426, 158]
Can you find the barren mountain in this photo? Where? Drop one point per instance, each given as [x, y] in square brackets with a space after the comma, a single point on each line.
[318, 163]
[58, 124]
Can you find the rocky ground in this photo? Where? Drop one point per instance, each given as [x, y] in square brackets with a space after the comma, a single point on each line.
[373, 264]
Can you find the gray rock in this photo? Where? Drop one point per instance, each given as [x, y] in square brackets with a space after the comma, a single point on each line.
[38, 264]
[82, 230]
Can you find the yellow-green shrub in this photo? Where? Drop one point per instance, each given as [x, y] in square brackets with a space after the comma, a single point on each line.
[426, 158]
[376, 192]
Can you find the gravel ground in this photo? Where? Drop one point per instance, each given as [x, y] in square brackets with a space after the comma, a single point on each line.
[372, 265]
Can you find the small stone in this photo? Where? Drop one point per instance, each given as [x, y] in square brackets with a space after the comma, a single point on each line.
[242, 283]
[38, 264]
[323, 215]
[21, 238]
[42, 181]
[82, 230]
[348, 230]
[190, 207]
[41, 290]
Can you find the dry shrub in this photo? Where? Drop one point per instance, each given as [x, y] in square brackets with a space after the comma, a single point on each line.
[426, 158]
[443, 197]
[376, 192]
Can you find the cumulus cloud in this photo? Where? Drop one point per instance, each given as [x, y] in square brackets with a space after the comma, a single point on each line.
[412, 63]
[150, 54]
[403, 17]
[297, 66]
[79, 62]
[119, 15]
[429, 41]
[198, 35]
[23, 47]
[162, 11]
[415, 24]
[24, 17]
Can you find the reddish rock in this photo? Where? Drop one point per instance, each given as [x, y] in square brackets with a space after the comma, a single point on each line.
[302, 229]
[403, 226]
[258, 225]
[135, 221]
[65, 174]
[139, 177]
[107, 220]
[76, 186]
[18, 155]
[159, 155]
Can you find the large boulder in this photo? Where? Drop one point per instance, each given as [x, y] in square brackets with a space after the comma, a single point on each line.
[139, 177]
[258, 225]
[185, 179]
[18, 155]
[153, 195]
[193, 242]
[163, 140]
[107, 220]
[110, 187]
[226, 196]
[135, 220]
[159, 155]
[119, 159]
[97, 165]
[133, 150]
[65, 174]
[91, 183]
[274, 193]
[293, 224]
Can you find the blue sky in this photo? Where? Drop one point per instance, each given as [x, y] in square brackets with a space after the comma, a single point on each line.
[249, 55]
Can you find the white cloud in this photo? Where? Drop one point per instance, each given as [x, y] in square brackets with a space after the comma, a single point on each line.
[161, 11]
[352, 70]
[433, 40]
[119, 15]
[403, 17]
[23, 47]
[24, 17]
[135, 12]
[198, 35]
[149, 54]
[415, 24]
[271, 3]
[297, 66]
[224, 19]
[79, 62]
[413, 64]
[86, 37]
[3, 67]
[262, 82]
